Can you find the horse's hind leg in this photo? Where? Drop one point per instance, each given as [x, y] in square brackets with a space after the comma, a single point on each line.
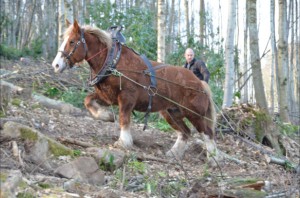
[207, 135]
[175, 118]
[97, 111]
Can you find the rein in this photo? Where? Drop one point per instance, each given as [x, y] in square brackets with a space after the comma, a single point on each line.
[96, 54]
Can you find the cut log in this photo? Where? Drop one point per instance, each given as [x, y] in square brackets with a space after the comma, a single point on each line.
[64, 108]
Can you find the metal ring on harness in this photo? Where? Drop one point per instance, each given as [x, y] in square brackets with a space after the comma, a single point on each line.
[152, 90]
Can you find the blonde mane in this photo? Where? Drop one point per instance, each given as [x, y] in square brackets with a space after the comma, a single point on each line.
[103, 36]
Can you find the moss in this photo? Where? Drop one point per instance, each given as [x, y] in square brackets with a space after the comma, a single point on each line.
[245, 193]
[243, 181]
[36, 106]
[23, 185]
[3, 177]
[44, 185]
[2, 114]
[59, 150]
[16, 102]
[28, 134]
[260, 121]
[25, 195]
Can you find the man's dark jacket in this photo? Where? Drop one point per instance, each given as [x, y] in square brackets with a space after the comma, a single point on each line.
[199, 68]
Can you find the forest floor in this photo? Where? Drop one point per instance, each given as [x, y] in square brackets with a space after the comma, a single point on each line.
[160, 177]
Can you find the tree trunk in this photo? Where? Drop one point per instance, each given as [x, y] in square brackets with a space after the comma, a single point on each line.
[291, 82]
[61, 21]
[69, 14]
[244, 95]
[274, 53]
[170, 44]
[187, 20]
[255, 57]
[282, 62]
[229, 55]
[202, 23]
[161, 31]
[264, 128]
[297, 60]
[31, 13]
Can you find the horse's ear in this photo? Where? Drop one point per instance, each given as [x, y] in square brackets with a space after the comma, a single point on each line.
[76, 27]
[68, 23]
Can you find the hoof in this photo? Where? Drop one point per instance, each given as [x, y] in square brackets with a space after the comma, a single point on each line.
[104, 115]
[121, 144]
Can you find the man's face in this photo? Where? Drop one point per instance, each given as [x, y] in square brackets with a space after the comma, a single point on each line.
[189, 56]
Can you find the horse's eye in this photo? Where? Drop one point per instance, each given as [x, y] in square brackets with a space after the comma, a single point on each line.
[72, 42]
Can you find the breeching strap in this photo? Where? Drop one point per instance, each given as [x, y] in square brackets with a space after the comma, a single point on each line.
[151, 89]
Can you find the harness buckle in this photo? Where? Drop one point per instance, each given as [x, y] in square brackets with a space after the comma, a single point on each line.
[152, 90]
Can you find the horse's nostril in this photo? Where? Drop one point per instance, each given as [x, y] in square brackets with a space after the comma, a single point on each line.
[57, 66]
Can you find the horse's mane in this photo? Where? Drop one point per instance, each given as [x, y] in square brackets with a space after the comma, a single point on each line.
[103, 36]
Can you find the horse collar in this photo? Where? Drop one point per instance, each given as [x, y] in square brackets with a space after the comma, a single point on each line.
[111, 62]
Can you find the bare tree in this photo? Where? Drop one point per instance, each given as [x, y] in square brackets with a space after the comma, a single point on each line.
[282, 61]
[161, 31]
[274, 68]
[202, 22]
[245, 72]
[265, 129]
[187, 19]
[61, 21]
[255, 57]
[229, 55]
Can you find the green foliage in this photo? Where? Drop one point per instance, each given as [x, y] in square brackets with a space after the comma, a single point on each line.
[76, 152]
[287, 128]
[16, 102]
[25, 195]
[10, 52]
[136, 166]
[139, 34]
[50, 91]
[153, 120]
[74, 97]
[107, 165]
[44, 185]
[162, 125]
[35, 50]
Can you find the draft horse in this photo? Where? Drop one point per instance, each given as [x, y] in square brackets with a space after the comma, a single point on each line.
[178, 93]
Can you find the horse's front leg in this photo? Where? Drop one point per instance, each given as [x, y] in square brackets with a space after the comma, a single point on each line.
[97, 111]
[125, 139]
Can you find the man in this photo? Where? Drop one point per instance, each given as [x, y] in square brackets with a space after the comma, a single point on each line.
[198, 67]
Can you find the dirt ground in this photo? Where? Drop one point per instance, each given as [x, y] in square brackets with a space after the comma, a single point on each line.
[191, 177]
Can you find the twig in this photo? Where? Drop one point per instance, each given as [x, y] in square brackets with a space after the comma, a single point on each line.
[144, 157]
[76, 142]
[123, 178]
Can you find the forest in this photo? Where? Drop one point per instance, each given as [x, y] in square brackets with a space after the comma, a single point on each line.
[251, 48]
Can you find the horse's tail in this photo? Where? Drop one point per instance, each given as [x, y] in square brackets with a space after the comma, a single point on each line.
[211, 112]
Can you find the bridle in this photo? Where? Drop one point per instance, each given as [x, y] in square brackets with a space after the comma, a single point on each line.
[81, 40]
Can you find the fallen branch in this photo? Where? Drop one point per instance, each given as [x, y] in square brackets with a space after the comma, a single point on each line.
[11, 86]
[76, 142]
[285, 163]
[54, 104]
[144, 157]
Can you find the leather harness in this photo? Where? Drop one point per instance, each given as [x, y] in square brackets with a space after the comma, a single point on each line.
[111, 61]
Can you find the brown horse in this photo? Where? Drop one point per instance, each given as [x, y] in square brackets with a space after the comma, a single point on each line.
[178, 93]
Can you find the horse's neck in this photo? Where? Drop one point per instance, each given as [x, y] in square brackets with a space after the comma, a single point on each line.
[97, 60]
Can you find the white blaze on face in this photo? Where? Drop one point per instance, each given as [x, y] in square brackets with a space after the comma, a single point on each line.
[59, 63]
